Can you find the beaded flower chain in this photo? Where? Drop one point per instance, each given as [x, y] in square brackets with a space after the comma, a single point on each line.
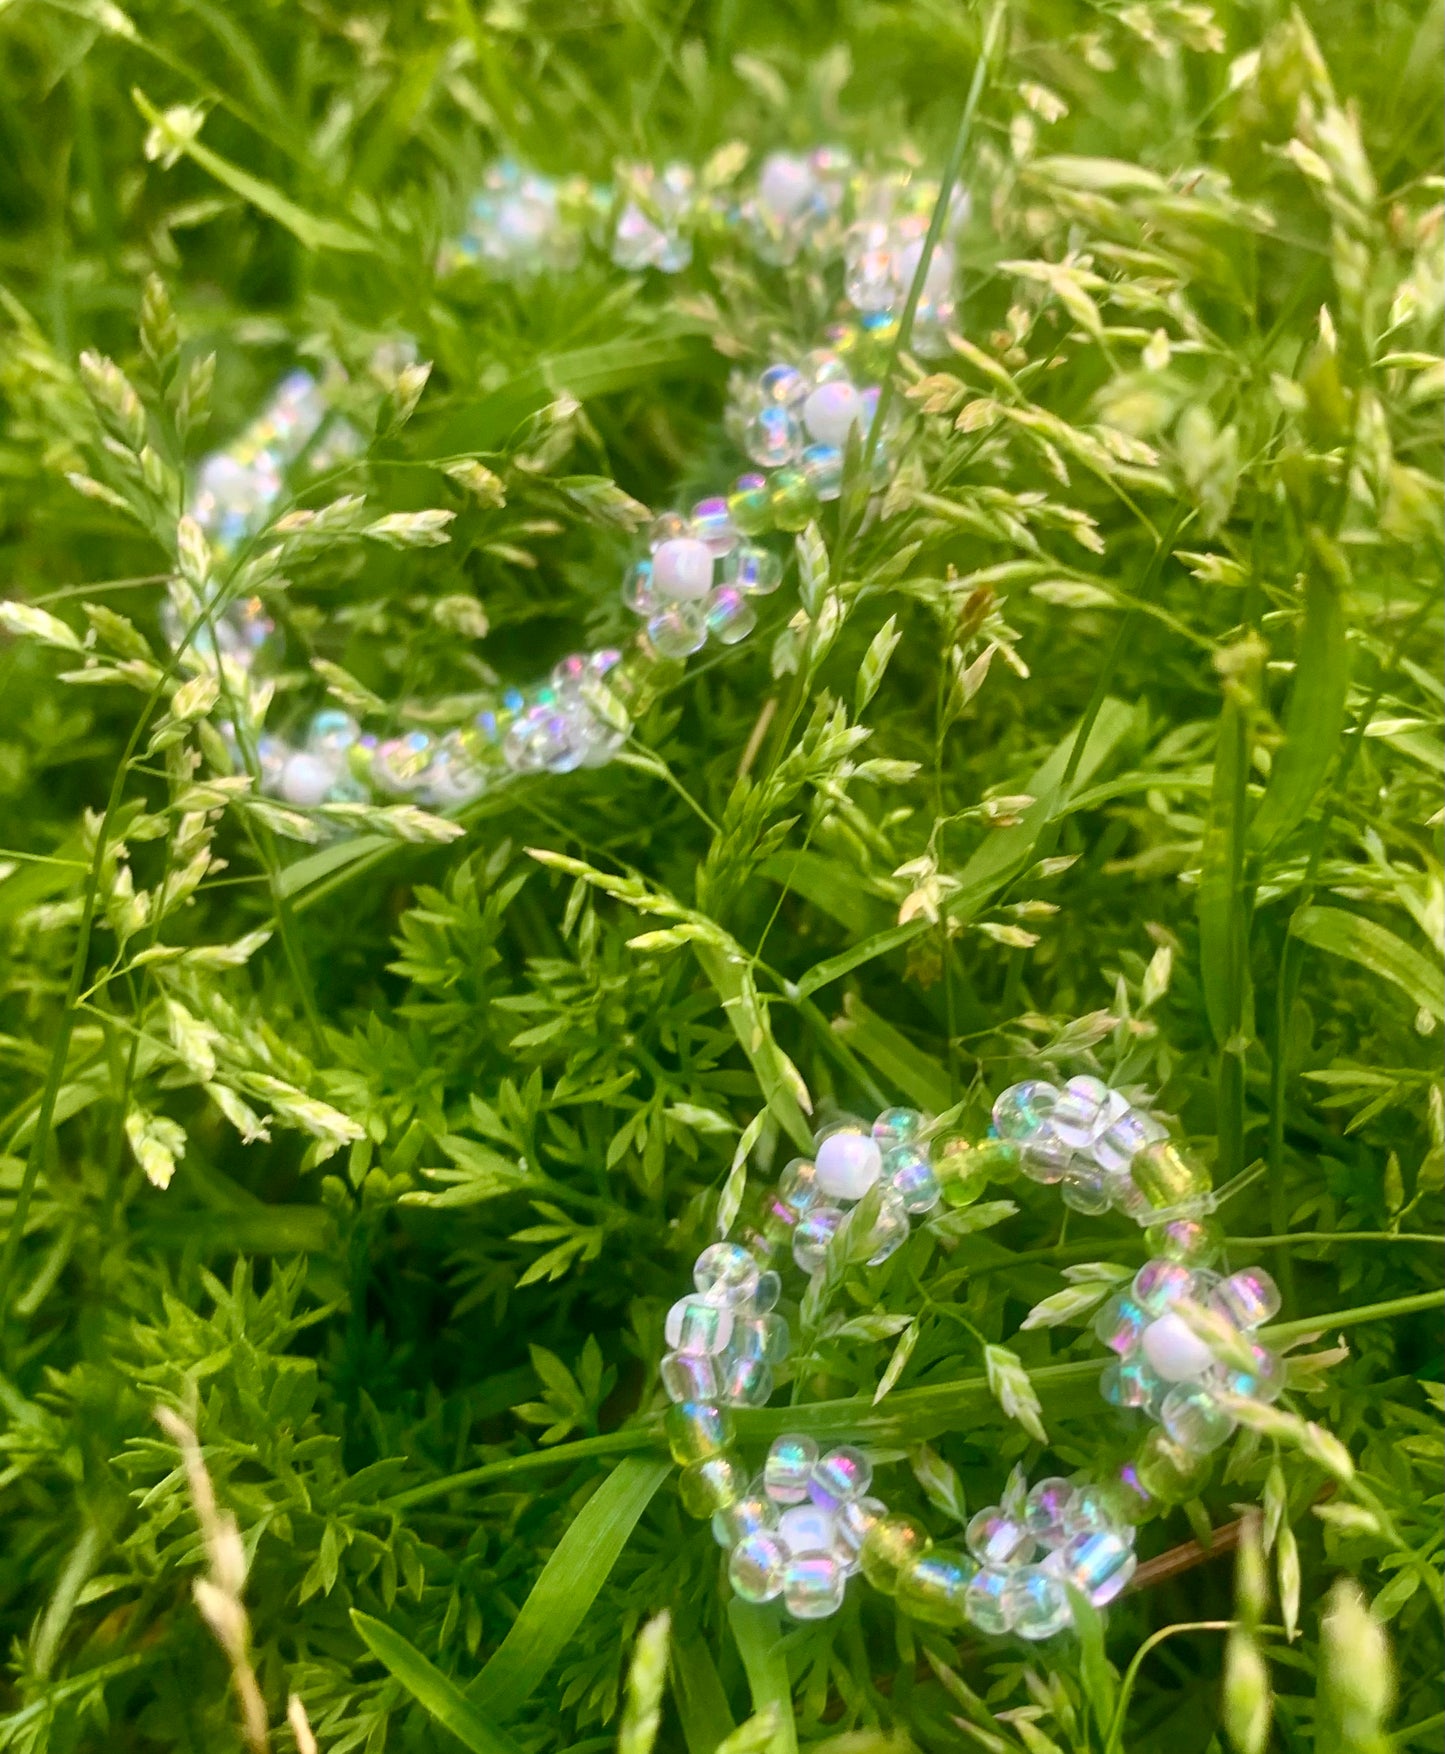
[706, 568]
[1185, 1336]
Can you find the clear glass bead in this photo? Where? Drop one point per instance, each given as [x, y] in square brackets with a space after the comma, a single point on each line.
[813, 1587]
[1092, 1508]
[1194, 1419]
[773, 436]
[1045, 1507]
[1022, 1112]
[1119, 1323]
[823, 467]
[753, 570]
[747, 1382]
[1036, 1603]
[840, 1476]
[1158, 1284]
[751, 1514]
[696, 1430]
[730, 616]
[1131, 1382]
[1124, 1138]
[331, 732]
[1266, 1382]
[782, 386]
[1099, 1563]
[854, 1518]
[984, 1603]
[788, 1469]
[1192, 1242]
[697, 1324]
[815, 1230]
[890, 1230]
[1249, 1299]
[1045, 1160]
[1085, 1109]
[690, 1376]
[934, 1587]
[678, 630]
[910, 1173]
[712, 525]
[998, 1540]
[899, 1126]
[756, 1566]
[1169, 1473]
[725, 1272]
[637, 591]
[798, 1185]
[1084, 1187]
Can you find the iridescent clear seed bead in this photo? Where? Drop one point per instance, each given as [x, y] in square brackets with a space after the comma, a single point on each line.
[984, 1603]
[1099, 1563]
[1036, 1603]
[1084, 1187]
[1022, 1111]
[890, 1229]
[815, 1230]
[1158, 1284]
[1044, 1509]
[730, 616]
[712, 525]
[1266, 1382]
[1249, 1299]
[1124, 1138]
[910, 1174]
[725, 1272]
[823, 467]
[698, 1324]
[690, 1376]
[1045, 1160]
[1131, 1382]
[1119, 1323]
[773, 436]
[783, 385]
[756, 1566]
[798, 1185]
[752, 1514]
[998, 1540]
[678, 630]
[788, 1469]
[746, 1381]
[840, 1476]
[1194, 1419]
[813, 1586]
[753, 570]
[1086, 1108]
[854, 1518]
[696, 1430]
[1193, 1242]
[899, 1126]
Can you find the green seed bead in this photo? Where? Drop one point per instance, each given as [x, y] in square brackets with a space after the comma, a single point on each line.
[889, 1548]
[794, 503]
[961, 1168]
[1168, 1473]
[1193, 1242]
[751, 510]
[707, 1487]
[934, 1586]
[697, 1430]
[1166, 1177]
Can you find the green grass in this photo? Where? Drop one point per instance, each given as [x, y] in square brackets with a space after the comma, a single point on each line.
[1181, 477]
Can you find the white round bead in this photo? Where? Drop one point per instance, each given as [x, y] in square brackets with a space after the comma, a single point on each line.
[785, 184]
[806, 1529]
[682, 568]
[847, 1165]
[831, 412]
[306, 779]
[1174, 1350]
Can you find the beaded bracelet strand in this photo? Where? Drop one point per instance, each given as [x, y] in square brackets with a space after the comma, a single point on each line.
[1185, 1338]
[705, 568]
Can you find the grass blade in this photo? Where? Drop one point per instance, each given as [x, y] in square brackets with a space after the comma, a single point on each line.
[430, 1687]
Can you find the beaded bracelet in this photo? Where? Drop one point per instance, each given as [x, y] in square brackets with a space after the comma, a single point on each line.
[1185, 1338]
[705, 568]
